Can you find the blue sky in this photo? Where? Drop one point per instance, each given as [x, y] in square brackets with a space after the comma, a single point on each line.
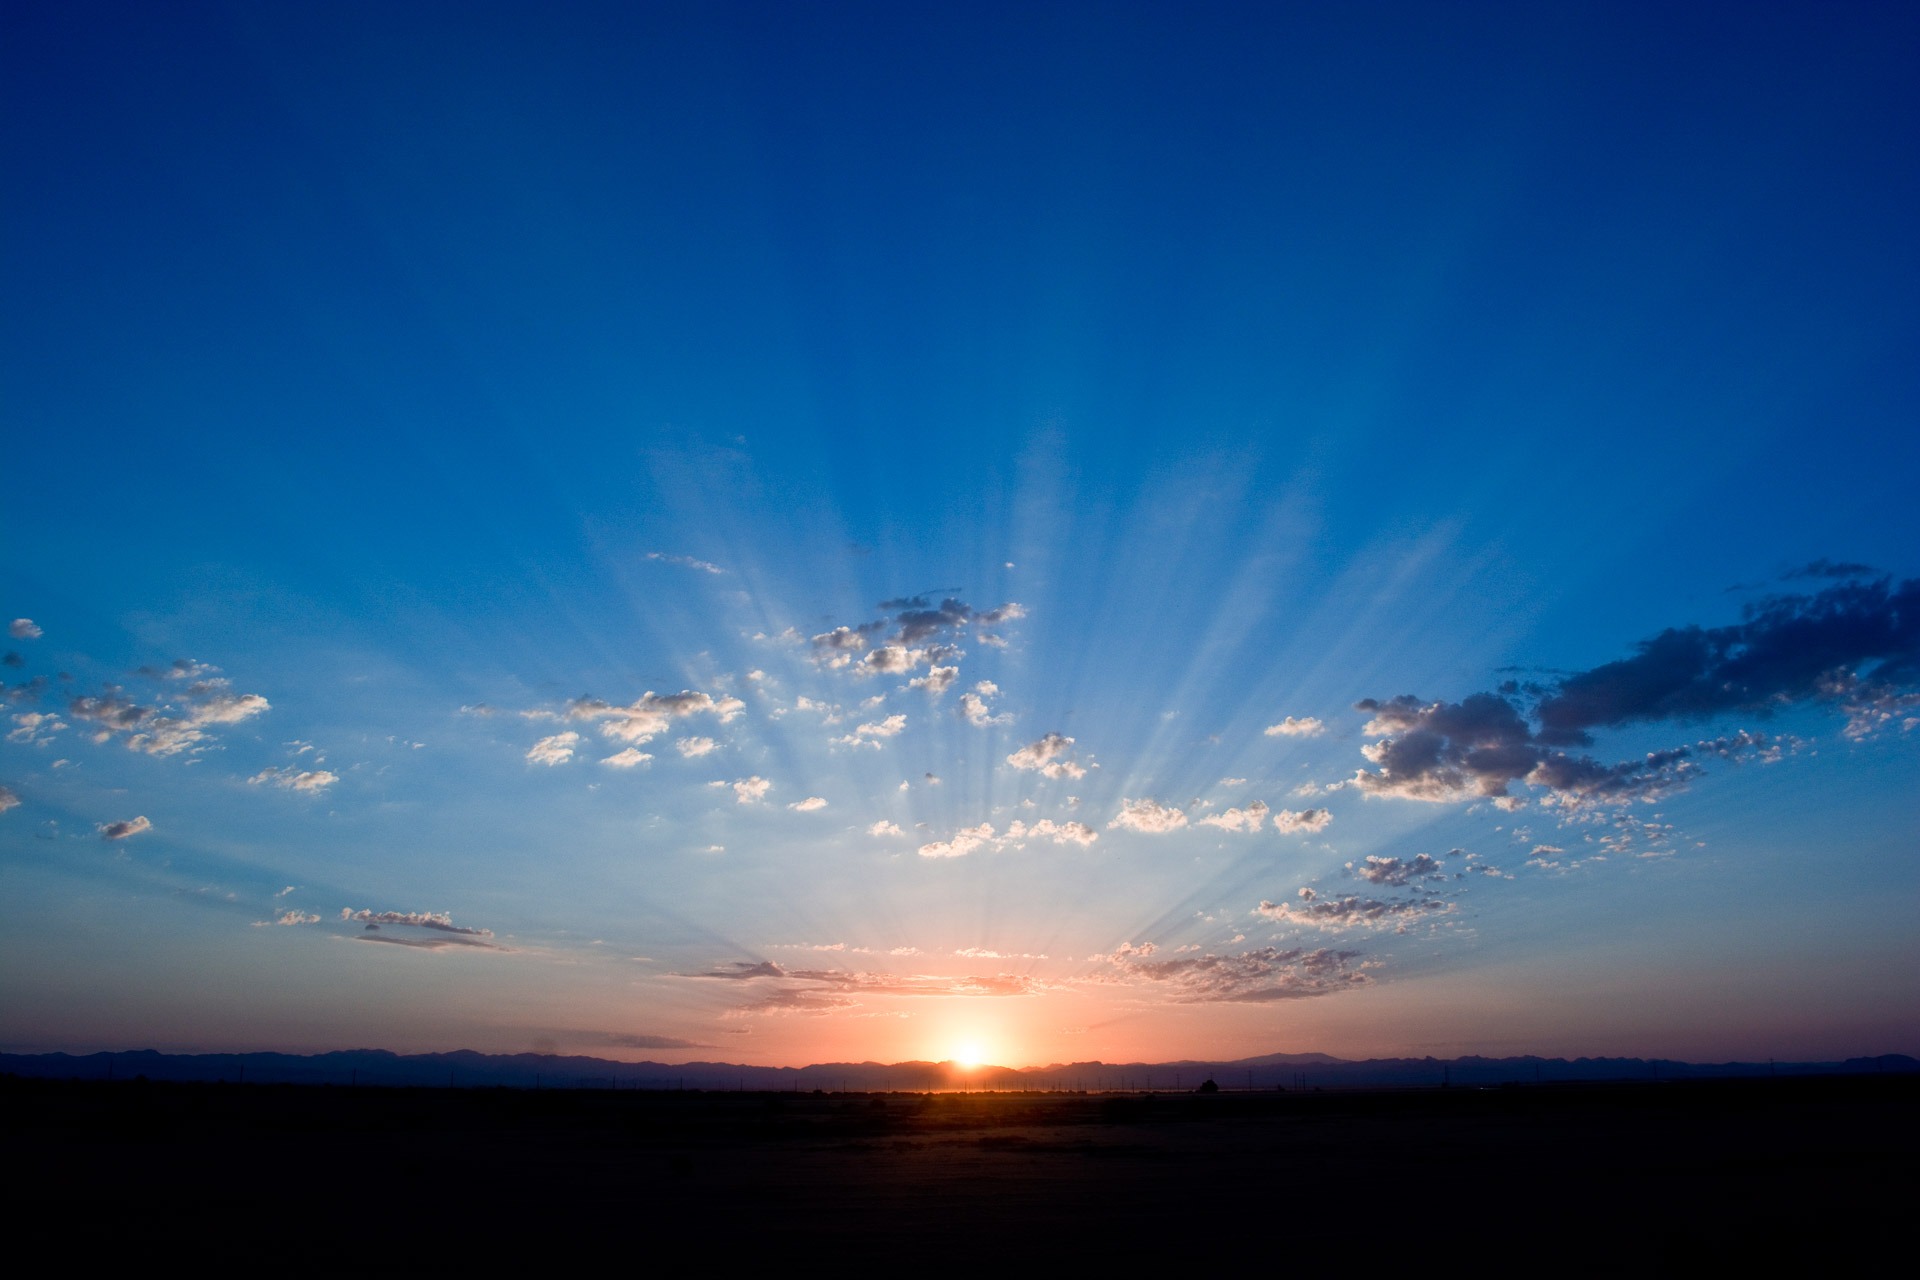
[787, 533]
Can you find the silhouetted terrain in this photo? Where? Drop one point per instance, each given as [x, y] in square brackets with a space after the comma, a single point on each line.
[465, 1068]
[1657, 1176]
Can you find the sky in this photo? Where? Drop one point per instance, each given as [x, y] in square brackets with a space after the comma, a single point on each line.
[1040, 533]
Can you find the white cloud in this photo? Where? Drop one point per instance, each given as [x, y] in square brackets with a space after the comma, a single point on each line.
[557, 749]
[36, 726]
[1297, 727]
[10, 800]
[691, 747]
[1148, 816]
[936, 681]
[751, 790]
[165, 730]
[808, 805]
[626, 759]
[977, 710]
[1247, 819]
[969, 839]
[291, 917]
[885, 828]
[866, 734]
[311, 781]
[1308, 820]
[650, 715]
[24, 629]
[121, 830]
[685, 562]
[1044, 756]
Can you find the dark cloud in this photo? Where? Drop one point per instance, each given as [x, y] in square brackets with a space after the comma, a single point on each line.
[1353, 912]
[1855, 646]
[427, 944]
[624, 1040]
[1853, 640]
[1398, 872]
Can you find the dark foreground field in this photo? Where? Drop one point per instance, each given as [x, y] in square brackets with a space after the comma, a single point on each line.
[326, 1180]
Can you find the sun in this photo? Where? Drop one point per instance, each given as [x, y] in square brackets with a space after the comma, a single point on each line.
[968, 1054]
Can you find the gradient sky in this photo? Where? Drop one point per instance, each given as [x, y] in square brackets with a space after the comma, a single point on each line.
[783, 533]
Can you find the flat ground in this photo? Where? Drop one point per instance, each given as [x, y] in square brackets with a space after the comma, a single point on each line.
[1656, 1177]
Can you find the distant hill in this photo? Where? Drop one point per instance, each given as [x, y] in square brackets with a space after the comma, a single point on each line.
[466, 1068]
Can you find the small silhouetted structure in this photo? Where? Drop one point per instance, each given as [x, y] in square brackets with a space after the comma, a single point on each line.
[1208, 1086]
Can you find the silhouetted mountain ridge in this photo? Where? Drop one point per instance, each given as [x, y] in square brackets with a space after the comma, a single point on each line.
[469, 1068]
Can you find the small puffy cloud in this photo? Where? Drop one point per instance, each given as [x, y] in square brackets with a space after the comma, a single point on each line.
[977, 710]
[651, 714]
[1397, 872]
[751, 790]
[1059, 832]
[8, 799]
[291, 917]
[691, 747]
[1247, 819]
[628, 758]
[557, 749]
[310, 781]
[35, 727]
[178, 721]
[1045, 756]
[1297, 727]
[808, 805]
[868, 735]
[963, 842]
[1149, 816]
[122, 830]
[885, 828]
[936, 681]
[1308, 820]
[24, 629]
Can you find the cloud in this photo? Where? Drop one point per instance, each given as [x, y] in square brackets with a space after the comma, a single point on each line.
[1353, 912]
[1251, 977]
[820, 990]
[691, 747]
[867, 735]
[1301, 727]
[1397, 872]
[626, 1040]
[1308, 820]
[751, 790]
[121, 830]
[911, 632]
[290, 917]
[36, 727]
[1247, 819]
[9, 799]
[962, 843]
[1849, 641]
[885, 828]
[310, 781]
[1855, 646]
[24, 629]
[1825, 568]
[1148, 816]
[651, 714]
[1044, 756]
[628, 758]
[1047, 829]
[808, 805]
[177, 722]
[438, 921]
[557, 749]
[685, 562]
[936, 681]
[977, 711]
